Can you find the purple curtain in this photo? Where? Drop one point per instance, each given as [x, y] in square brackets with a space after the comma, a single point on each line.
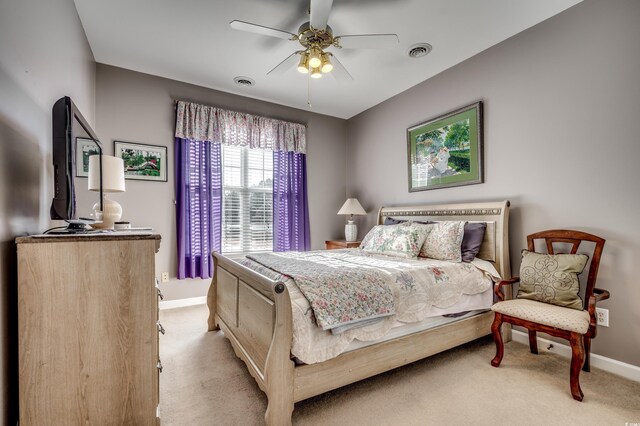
[290, 209]
[198, 205]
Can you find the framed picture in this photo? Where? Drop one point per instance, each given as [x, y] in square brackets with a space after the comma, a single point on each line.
[85, 148]
[447, 150]
[142, 162]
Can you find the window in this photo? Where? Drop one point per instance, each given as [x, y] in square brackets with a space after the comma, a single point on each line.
[247, 199]
[227, 205]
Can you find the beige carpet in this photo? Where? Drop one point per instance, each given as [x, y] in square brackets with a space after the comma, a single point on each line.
[203, 383]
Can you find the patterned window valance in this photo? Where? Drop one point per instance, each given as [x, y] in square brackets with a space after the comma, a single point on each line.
[206, 123]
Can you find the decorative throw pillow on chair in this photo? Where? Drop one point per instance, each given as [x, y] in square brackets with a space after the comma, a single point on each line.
[552, 278]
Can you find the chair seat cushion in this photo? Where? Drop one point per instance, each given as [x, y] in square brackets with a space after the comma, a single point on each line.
[544, 313]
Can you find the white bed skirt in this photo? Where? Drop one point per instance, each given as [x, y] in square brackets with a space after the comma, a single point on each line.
[475, 304]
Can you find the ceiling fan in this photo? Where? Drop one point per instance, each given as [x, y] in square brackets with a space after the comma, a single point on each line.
[316, 37]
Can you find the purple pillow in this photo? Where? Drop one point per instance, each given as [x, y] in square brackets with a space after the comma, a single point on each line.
[390, 221]
[471, 241]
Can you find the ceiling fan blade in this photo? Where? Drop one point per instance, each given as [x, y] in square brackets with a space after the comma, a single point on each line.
[285, 65]
[261, 29]
[368, 41]
[320, 10]
[339, 71]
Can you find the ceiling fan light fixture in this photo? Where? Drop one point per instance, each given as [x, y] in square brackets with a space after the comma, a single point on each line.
[315, 59]
[327, 66]
[315, 72]
[303, 65]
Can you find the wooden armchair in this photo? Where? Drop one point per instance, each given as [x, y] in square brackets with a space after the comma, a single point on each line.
[577, 326]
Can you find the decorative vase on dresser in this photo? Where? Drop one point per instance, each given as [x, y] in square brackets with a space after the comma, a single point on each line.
[88, 330]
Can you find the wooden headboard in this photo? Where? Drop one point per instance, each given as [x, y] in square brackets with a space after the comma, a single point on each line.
[495, 246]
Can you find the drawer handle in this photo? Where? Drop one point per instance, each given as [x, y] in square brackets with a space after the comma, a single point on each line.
[159, 366]
[160, 295]
[160, 328]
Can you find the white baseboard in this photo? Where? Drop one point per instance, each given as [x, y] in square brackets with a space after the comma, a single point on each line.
[625, 370]
[181, 303]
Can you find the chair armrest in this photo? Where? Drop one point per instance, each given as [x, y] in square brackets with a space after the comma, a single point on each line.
[600, 294]
[497, 289]
[597, 296]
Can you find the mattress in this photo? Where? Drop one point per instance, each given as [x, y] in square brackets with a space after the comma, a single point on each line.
[470, 305]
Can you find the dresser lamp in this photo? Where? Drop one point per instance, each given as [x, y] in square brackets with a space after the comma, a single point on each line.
[112, 181]
[351, 207]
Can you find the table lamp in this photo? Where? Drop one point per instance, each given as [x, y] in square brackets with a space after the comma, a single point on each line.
[112, 181]
[351, 207]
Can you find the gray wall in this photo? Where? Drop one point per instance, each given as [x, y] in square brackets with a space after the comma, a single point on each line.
[562, 102]
[137, 107]
[44, 55]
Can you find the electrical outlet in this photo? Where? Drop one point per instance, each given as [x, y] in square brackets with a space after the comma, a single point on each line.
[165, 278]
[602, 316]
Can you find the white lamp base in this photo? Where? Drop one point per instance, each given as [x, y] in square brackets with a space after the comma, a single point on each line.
[351, 231]
[111, 212]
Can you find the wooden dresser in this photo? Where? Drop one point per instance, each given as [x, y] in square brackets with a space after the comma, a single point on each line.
[88, 330]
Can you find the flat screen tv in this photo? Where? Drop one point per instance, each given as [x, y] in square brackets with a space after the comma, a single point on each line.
[68, 123]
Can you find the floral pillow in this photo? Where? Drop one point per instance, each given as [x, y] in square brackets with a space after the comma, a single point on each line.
[395, 240]
[552, 278]
[444, 241]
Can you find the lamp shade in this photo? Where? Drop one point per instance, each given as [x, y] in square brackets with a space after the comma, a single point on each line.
[303, 65]
[352, 207]
[112, 173]
[315, 73]
[315, 58]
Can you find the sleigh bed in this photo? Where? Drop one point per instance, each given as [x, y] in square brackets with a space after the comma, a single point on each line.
[255, 314]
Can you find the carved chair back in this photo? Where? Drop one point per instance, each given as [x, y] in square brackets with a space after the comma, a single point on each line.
[575, 238]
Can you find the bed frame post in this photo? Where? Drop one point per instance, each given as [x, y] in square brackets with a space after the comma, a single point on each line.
[278, 374]
[212, 297]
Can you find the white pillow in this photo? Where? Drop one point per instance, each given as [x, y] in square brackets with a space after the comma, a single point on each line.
[395, 240]
[444, 241]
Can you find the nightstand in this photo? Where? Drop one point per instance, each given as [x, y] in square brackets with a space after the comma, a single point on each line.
[340, 244]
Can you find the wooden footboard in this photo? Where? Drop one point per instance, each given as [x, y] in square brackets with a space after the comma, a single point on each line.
[255, 314]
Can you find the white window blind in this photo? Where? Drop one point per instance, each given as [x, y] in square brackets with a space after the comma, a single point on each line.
[247, 199]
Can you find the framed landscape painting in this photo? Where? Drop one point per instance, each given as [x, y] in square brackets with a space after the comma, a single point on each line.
[85, 148]
[142, 162]
[447, 150]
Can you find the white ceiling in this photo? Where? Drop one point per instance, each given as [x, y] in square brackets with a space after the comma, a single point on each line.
[191, 41]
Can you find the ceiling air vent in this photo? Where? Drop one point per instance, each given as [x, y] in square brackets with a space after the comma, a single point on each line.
[419, 50]
[244, 81]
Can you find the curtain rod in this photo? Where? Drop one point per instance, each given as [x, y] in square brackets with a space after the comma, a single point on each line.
[175, 106]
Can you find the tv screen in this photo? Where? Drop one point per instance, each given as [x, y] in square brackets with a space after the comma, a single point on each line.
[70, 131]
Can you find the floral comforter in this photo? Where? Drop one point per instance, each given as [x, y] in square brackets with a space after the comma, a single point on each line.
[338, 291]
[331, 288]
